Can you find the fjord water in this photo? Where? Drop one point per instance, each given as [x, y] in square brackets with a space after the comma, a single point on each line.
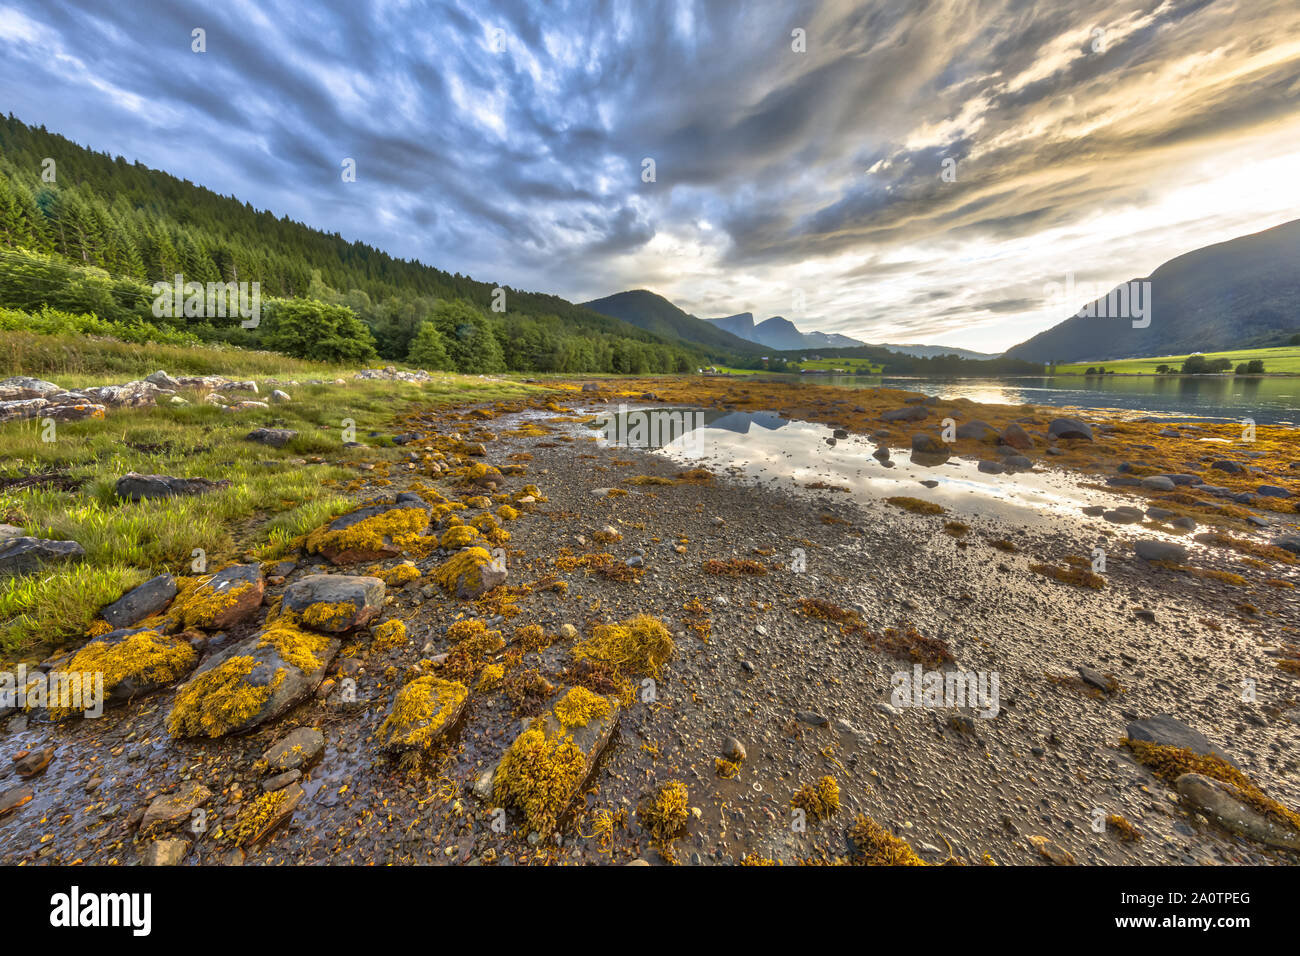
[766, 447]
[1268, 401]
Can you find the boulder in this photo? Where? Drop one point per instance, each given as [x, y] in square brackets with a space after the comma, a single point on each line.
[1231, 467]
[1015, 436]
[162, 380]
[1273, 491]
[372, 533]
[912, 413]
[1152, 550]
[514, 773]
[275, 437]
[131, 661]
[251, 683]
[137, 487]
[1158, 483]
[279, 397]
[469, 573]
[246, 406]
[424, 712]
[21, 409]
[1167, 731]
[927, 447]
[21, 387]
[1124, 514]
[1227, 806]
[73, 413]
[334, 603]
[991, 467]
[1069, 428]
[141, 602]
[977, 429]
[21, 555]
[223, 600]
[130, 395]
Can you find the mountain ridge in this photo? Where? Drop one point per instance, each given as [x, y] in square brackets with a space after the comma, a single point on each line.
[1237, 293]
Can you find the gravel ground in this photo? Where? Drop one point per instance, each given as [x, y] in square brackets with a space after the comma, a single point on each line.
[805, 697]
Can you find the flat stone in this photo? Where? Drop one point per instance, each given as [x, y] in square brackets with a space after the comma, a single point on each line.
[15, 797]
[1168, 731]
[172, 808]
[1069, 428]
[281, 780]
[1158, 483]
[1223, 803]
[74, 413]
[141, 602]
[912, 413]
[275, 437]
[1152, 550]
[166, 852]
[357, 600]
[23, 555]
[297, 750]
[138, 487]
[20, 387]
[290, 685]
[977, 429]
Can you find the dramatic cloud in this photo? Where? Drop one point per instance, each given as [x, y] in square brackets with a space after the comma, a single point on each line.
[508, 141]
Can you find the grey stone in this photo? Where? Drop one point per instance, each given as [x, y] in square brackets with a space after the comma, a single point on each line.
[297, 750]
[275, 437]
[364, 595]
[22, 555]
[1152, 550]
[1225, 805]
[137, 487]
[141, 602]
[1069, 428]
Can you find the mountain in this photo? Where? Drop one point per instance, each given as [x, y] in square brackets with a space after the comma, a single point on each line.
[927, 351]
[780, 334]
[1235, 294]
[657, 315]
[741, 325]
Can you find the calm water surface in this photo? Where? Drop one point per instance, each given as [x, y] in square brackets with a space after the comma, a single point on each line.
[1268, 401]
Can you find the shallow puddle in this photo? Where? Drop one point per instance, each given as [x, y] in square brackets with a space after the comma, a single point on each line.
[766, 447]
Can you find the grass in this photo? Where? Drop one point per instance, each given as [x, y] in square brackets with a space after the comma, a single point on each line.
[851, 365]
[1283, 359]
[77, 361]
[272, 498]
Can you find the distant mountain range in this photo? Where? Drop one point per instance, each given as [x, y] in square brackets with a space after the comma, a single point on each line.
[780, 334]
[654, 313]
[1243, 293]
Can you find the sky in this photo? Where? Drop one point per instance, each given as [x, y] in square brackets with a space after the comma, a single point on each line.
[923, 171]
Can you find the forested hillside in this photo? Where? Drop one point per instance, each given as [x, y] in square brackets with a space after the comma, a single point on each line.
[97, 237]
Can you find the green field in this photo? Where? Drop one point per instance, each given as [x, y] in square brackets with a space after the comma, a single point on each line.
[1285, 359]
[852, 365]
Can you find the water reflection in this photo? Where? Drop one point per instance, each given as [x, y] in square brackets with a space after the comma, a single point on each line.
[1266, 400]
[765, 447]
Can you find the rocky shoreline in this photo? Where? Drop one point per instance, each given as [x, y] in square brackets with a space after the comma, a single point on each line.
[789, 613]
